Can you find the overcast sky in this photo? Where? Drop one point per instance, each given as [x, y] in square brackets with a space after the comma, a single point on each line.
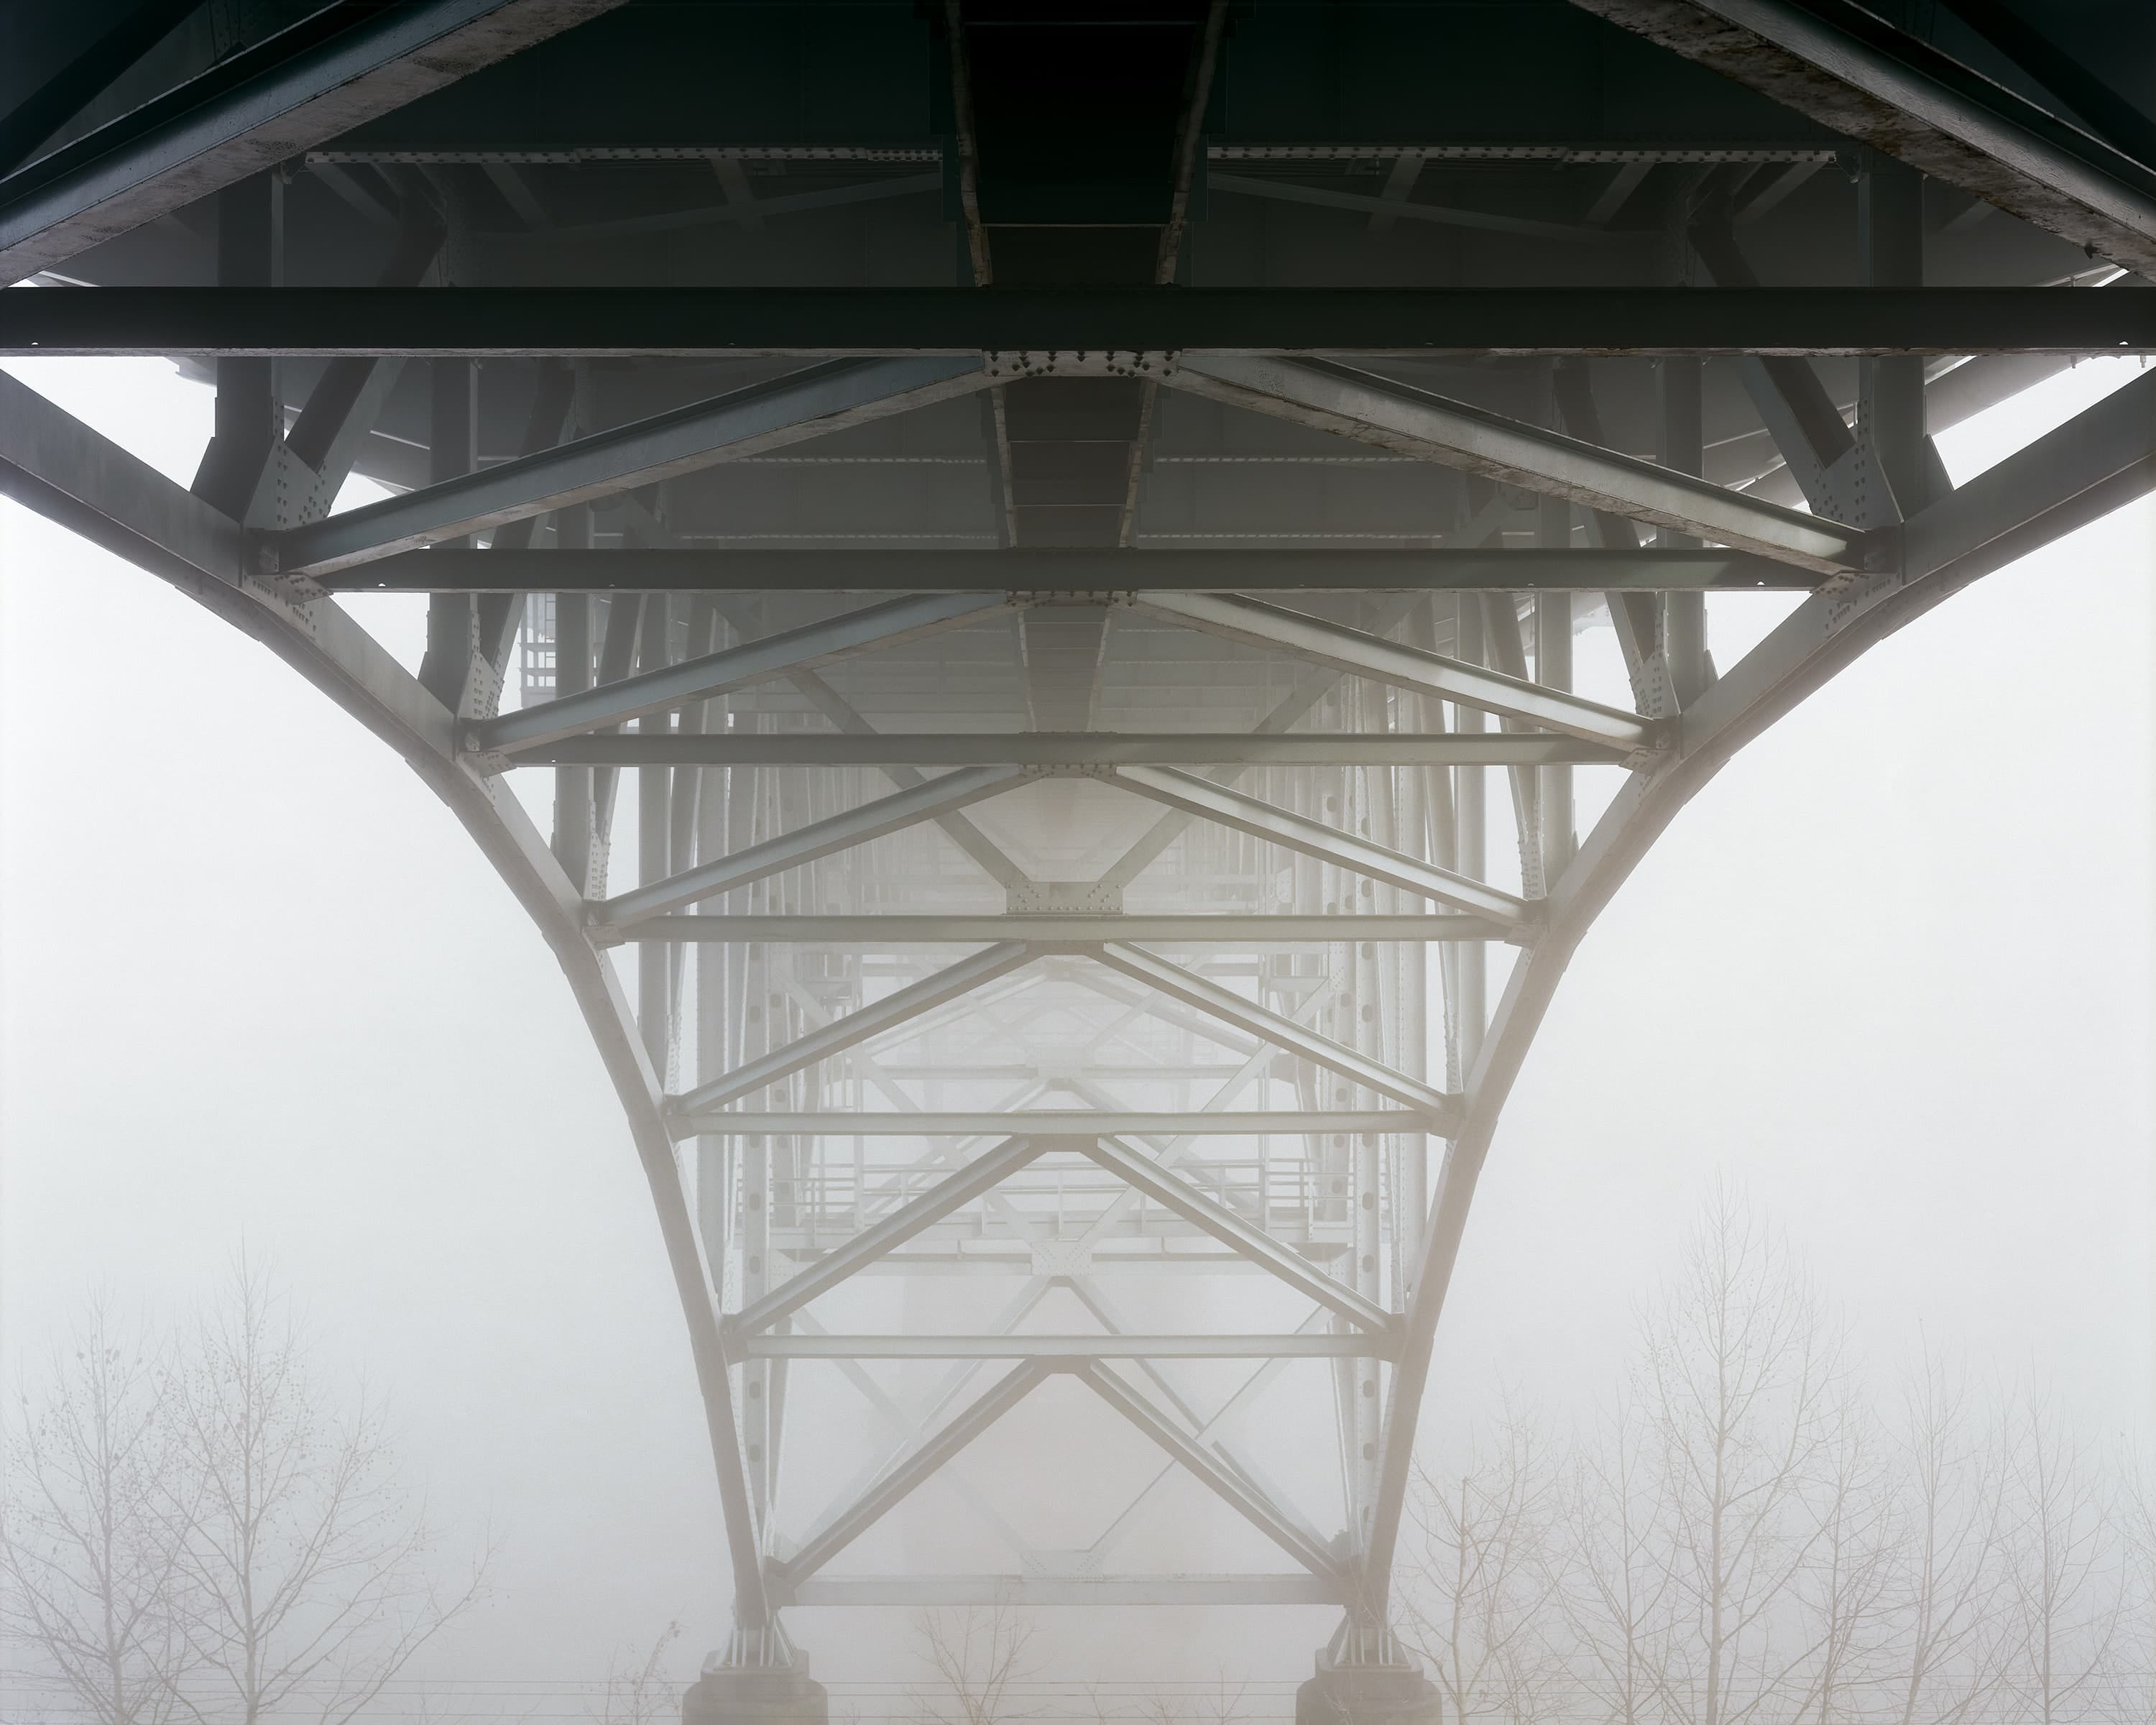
[1891, 972]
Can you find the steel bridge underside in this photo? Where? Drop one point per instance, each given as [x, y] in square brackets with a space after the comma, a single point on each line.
[1063, 616]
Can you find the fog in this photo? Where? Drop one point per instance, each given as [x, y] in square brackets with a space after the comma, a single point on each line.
[1892, 977]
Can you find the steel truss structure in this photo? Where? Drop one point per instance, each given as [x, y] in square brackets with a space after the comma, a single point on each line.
[1056, 654]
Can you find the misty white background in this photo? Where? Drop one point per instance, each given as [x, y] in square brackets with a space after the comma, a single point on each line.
[1891, 972]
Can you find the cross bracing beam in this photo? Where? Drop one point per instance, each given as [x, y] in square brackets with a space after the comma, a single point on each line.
[1364, 655]
[674, 687]
[900, 1007]
[1351, 403]
[1074, 748]
[1066, 571]
[262, 107]
[2104, 458]
[872, 819]
[1230, 1008]
[1201, 797]
[1848, 69]
[883, 931]
[1020, 328]
[1318, 1345]
[1236, 1493]
[901, 1481]
[1028, 1591]
[949, 1196]
[1053, 1123]
[818, 399]
[1171, 1191]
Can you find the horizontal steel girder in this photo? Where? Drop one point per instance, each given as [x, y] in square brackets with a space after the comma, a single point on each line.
[1350, 1344]
[926, 801]
[1408, 421]
[1020, 328]
[1074, 748]
[811, 403]
[1054, 1122]
[1363, 654]
[674, 687]
[879, 932]
[1072, 571]
[264, 106]
[1260, 819]
[1846, 69]
[1028, 1591]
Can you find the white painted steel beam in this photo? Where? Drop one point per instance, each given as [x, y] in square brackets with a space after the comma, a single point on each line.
[1363, 654]
[1261, 820]
[1074, 748]
[1052, 1122]
[1346, 1345]
[890, 931]
[671, 687]
[901, 1007]
[1171, 1191]
[1371, 409]
[1026, 1592]
[1225, 1004]
[926, 801]
[822, 399]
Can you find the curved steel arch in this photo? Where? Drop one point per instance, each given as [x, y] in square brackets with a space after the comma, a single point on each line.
[2074, 474]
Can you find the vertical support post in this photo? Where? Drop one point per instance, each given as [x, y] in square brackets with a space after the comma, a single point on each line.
[572, 675]
[1554, 667]
[249, 418]
[452, 450]
[1683, 448]
[1889, 409]
[1470, 806]
[654, 828]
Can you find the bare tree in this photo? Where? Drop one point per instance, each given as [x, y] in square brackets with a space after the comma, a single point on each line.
[306, 1574]
[1742, 1378]
[642, 1694]
[1842, 1587]
[89, 1559]
[2064, 1600]
[2138, 1524]
[1611, 1572]
[1471, 1600]
[1946, 1645]
[979, 1656]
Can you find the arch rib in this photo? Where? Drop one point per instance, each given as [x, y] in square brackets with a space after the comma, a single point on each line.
[2097, 462]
